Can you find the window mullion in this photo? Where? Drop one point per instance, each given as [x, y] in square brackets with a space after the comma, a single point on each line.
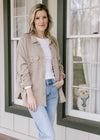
[68, 17]
[83, 36]
[12, 17]
[90, 91]
[15, 72]
[70, 75]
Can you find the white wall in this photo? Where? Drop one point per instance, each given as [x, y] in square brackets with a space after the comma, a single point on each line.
[23, 128]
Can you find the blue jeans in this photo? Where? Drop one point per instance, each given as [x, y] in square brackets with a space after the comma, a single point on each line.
[44, 116]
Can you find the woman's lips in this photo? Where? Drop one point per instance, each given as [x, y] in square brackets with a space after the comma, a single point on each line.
[41, 25]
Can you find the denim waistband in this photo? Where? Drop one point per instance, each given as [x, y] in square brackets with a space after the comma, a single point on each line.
[50, 81]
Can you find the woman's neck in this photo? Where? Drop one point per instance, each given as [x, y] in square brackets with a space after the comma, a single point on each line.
[41, 35]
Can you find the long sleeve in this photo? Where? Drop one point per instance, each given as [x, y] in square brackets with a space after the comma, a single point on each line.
[23, 75]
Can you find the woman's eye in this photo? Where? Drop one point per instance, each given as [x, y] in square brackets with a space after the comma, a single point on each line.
[37, 17]
[44, 17]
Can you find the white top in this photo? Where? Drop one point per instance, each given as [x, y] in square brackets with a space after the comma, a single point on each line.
[49, 74]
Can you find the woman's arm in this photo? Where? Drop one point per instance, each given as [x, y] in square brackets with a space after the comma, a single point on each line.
[61, 70]
[22, 64]
[23, 74]
[31, 100]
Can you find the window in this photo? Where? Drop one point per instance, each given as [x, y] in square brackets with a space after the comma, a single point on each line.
[84, 61]
[81, 37]
[16, 13]
[19, 23]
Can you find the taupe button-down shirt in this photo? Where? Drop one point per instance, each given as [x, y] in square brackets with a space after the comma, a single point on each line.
[31, 68]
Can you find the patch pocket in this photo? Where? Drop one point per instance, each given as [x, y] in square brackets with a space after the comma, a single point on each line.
[35, 59]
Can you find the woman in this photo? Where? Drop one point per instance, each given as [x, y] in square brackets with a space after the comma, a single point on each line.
[40, 72]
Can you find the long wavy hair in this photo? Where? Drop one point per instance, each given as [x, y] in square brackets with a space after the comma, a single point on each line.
[33, 11]
[32, 14]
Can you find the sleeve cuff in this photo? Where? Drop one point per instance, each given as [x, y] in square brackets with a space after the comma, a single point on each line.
[27, 87]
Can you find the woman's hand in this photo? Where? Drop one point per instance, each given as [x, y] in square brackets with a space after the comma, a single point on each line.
[31, 100]
[59, 83]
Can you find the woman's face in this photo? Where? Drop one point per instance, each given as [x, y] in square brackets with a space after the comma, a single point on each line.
[41, 21]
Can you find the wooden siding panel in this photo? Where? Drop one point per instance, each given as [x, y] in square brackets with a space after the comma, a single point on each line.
[21, 124]
[32, 129]
[94, 137]
[59, 132]
[6, 120]
[17, 135]
[73, 134]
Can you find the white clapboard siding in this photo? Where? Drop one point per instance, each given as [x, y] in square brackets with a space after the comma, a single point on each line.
[32, 128]
[73, 134]
[94, 137]
[60, 131]
[21, 124]
[6, 120]
[15, 134]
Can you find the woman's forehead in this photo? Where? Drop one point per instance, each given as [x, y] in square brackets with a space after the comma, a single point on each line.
[41, 12]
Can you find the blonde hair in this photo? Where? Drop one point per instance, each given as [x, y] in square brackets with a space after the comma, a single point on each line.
[32, 30]
[33, 11]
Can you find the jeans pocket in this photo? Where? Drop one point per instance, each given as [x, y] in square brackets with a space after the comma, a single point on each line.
[56, 87]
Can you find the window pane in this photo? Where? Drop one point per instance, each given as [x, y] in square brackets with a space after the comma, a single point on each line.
[30, 3]
[95, 3]
[80, 22]
[81, 49]
[19, 26]
[95, 74]
[79, 4]
[84, 19]
[20, 17]
[81, 74]
[86, 3]
[76, 4]
[97, 103]
[19, 7]
[83, 68]
[95, 21]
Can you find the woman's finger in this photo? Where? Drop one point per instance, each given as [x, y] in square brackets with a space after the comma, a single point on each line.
[35, 107]
[58, 84]
[55, 84]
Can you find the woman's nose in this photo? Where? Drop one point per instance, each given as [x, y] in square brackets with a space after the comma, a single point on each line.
[41, 20]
